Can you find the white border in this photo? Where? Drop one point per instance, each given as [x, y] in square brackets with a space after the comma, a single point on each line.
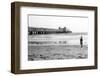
[25, 64]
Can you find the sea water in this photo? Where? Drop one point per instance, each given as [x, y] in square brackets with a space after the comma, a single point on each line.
[58, 39]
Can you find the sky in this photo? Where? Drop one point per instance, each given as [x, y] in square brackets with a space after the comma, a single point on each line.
[74, 23]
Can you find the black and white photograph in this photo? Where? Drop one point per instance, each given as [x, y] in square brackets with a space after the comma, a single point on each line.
[57, 37]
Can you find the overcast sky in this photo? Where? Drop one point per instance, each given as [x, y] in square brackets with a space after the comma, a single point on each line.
[75, 24]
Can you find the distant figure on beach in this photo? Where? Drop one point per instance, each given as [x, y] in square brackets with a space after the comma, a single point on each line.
[81, 41]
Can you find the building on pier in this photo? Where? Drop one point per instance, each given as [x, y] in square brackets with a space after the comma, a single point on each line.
[35, 30]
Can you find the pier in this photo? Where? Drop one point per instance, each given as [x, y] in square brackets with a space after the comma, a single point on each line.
[34, 30]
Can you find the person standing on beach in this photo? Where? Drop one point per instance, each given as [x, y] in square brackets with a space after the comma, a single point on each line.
[81, 41]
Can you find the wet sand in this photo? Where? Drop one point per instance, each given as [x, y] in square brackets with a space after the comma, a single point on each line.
[56, 52]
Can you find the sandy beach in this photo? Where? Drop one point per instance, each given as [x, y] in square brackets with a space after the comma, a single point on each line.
[55, 47]
[57, 52]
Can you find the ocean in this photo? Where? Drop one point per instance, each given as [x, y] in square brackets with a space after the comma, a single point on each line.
[58, 39]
